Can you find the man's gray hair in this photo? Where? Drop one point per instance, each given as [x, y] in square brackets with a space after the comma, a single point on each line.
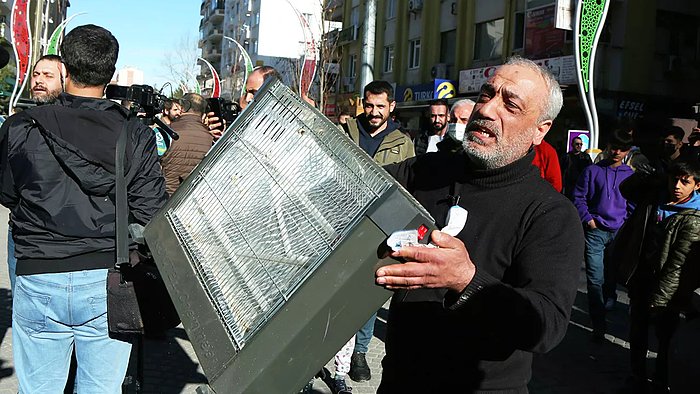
[462, 102]
[552, 104]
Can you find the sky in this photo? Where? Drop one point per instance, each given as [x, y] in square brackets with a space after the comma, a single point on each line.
[147, 30]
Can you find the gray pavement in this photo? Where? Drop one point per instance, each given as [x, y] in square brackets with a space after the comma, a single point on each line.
[576, 366]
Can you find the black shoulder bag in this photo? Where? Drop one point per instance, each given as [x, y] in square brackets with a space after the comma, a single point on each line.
[137, 300]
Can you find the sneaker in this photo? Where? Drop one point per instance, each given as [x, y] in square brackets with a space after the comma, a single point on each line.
[359, 370]
[338, 386]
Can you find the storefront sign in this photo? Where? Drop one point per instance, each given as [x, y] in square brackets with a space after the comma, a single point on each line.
[563, 68]
[541, 35]
[565, 14]
[420, 92]
[470, 81]
[444, 89]
[630, 109]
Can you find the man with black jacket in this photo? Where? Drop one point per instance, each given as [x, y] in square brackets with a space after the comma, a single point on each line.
[467, 316]
[57, 167]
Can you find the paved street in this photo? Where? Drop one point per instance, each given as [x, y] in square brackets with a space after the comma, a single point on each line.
[576, 366]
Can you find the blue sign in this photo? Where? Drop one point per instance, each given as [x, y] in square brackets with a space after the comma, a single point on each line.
[420, 92]
[444, 89]
[440, 88]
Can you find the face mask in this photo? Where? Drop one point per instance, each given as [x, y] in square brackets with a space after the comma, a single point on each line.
[669, 149]
[456, 131]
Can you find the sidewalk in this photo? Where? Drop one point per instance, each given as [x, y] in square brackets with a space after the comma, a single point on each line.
[576, 366]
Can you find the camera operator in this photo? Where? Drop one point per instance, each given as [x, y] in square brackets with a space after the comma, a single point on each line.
[57, 166]
[195, 141]
[171, 111]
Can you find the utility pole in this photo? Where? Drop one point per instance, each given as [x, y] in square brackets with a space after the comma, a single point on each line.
[367, 55]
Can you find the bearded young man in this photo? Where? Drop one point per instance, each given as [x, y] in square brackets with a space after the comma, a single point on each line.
[437, 116]
[467, 316]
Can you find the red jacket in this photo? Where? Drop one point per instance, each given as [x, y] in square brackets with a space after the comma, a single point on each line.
[547, 161]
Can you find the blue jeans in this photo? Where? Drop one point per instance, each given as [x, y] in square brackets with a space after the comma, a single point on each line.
[365, 334]
[11, 259]
[600, 282]
[55, 313]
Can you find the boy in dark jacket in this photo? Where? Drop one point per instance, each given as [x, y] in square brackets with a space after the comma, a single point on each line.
[602, 210]
[664, 278]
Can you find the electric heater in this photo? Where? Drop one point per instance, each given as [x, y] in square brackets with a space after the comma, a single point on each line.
[269, 247]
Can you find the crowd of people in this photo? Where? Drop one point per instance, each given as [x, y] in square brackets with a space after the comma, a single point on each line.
[466, 316]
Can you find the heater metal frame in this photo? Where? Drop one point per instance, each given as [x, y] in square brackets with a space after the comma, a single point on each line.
[321, 314]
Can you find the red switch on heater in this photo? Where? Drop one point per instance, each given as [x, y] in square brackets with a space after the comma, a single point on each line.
[422, 230]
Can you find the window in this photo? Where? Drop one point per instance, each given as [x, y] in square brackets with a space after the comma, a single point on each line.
[413, 54]
[448, 46]
[390, 9]
[352, 66]
[388, 58]
[519, 31]
[489, 40]
[355, 16]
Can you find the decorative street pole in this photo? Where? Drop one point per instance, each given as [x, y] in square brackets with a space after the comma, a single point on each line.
[588, 25]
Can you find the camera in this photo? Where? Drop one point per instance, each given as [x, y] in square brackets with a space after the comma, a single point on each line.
[143, 98]
[145, 103]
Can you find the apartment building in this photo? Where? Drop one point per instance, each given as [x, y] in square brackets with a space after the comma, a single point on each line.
[269, 30]
[211, 33]
[646, 69]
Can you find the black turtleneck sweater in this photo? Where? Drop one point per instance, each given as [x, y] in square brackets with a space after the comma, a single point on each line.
[527, 244]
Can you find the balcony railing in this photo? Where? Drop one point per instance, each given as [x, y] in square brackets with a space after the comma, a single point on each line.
[347, 35]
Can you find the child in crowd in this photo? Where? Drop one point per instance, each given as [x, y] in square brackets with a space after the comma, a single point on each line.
[668, 263]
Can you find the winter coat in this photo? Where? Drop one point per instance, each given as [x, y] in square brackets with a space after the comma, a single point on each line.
[394, 148]
[186, 152]
[677, 263]
[57, 167]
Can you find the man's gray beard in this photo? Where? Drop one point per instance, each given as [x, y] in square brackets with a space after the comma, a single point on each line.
[500, 156]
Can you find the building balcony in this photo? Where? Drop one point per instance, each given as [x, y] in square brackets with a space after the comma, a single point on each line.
[215, 34]
[216, 15]
[213, 55]
[347, 35]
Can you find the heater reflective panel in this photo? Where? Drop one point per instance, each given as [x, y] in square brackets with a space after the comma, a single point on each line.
[269, 247]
